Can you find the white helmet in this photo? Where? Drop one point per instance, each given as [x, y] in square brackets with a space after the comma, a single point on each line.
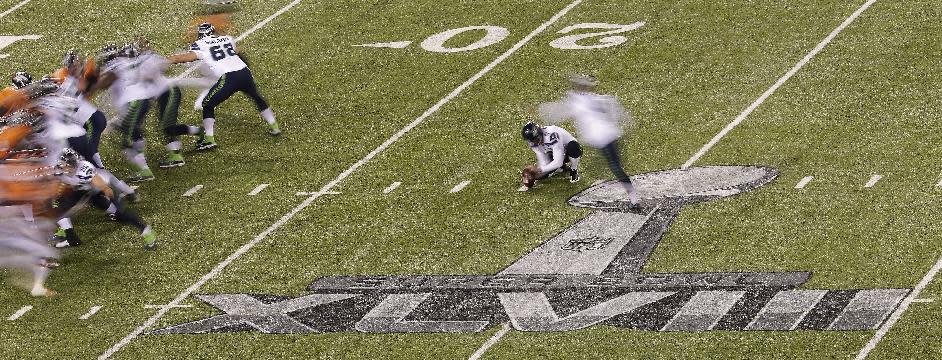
[85, 172]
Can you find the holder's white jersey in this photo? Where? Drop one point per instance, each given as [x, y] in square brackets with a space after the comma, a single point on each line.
[219, 54]
[554, 141]
[597, 117]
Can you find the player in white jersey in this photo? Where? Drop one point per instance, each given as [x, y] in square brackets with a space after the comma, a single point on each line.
[220, 55]
[91, 118]
[131, 97]
[598, 119]
[166, 96]
[554, 148]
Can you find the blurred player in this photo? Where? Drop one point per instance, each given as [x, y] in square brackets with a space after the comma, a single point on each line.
[81, 186]
[598, 119]
[26, 186]
[70, 78]
[129, 94]
[220, 55]
[166, 96]
[554, 148]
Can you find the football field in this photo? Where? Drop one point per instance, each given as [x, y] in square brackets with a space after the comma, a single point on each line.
[386, 223]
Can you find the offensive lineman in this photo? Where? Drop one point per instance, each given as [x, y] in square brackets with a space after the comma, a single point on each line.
[598, 119]
[131, 96]
[220, 55]
[554, 148]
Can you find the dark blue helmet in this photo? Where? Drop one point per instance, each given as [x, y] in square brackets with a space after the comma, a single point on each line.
[532, 132]
[20, 79]
[204, 30]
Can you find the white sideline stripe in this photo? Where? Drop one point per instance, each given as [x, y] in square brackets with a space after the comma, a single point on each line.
[333, 183]
[923, 301]
[804, 181]
[22, 311]
[12, 9]
[245, 34]
[460, 186]
[908, 300]
[490, 342]
[391, 187]
[193, 190]
[258, 189]
[873, 181]
[91, 312]
[781, 81]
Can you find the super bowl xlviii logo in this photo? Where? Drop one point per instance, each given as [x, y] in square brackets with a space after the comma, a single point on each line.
[589, 274]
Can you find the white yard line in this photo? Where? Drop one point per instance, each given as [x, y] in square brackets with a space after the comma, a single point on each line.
[939, 184]
[193, 191]
[168, 306]
[490, 342]
[391, 187]
[91, 312]
[781, 81]
[873, 181]
[804, 182]
[872, 344]
[923, 301]
[460, 186]
[305, 193]
[258, 189]
[22, 311]
[333, 183]
[12, 9]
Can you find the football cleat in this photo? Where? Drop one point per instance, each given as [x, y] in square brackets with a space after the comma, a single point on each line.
[574, 176]
[150, 241]
[173, 160]
[274, 130]
[205, 143]
[64, 243]
[112, 217]
[42, 292]
[141, 176]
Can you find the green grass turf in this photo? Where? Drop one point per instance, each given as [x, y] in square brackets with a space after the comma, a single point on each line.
[862, 107]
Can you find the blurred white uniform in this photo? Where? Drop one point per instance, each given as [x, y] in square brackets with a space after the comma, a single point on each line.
[128, 84]
[60, 124]
[597, 117]
[554, 142]
[23, 245]
[70, 88]
[151, 68]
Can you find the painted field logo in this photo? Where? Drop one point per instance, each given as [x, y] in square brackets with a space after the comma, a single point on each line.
[587, 244]
[587, 275]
